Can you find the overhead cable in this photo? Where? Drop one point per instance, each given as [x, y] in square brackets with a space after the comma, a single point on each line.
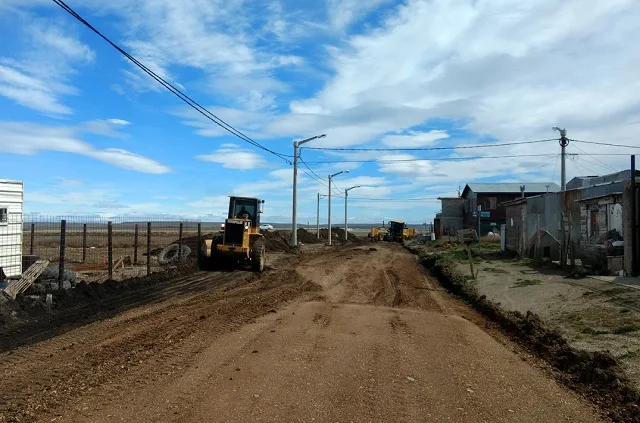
[430, 148]
[188, 100]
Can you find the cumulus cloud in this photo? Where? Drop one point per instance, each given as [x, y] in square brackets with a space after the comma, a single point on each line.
[29, 138]
[37, 75]
[414, 139]
[233, 157]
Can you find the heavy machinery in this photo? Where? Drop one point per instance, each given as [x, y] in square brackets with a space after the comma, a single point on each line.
[377, 234]
[395, 232]
[409, 233]
[240, 241]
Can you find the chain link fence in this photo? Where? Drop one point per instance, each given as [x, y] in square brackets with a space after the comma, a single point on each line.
[94, 249]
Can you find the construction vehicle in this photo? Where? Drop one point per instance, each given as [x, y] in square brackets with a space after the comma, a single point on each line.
[408, 233]
[396, 231]
[377, 234]
[239, 242]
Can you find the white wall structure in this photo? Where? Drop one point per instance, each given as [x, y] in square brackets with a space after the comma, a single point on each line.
[11, 221]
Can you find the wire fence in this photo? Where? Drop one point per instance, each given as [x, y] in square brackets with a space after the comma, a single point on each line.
[94, 249]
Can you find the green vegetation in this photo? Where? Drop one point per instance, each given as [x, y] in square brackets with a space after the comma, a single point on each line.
[520, 283]
[626, 329]
[591, 331]
[495, 270]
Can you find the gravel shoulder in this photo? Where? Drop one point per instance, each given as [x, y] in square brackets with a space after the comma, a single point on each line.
[344, 334]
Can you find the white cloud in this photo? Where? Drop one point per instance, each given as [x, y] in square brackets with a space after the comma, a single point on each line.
[28, 138]
[119, 122]
[344, 13]
[498, 68]
[37, 76]
[414, 139]
[232, 157]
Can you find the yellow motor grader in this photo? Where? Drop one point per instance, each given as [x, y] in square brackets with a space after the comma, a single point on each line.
[239, 242]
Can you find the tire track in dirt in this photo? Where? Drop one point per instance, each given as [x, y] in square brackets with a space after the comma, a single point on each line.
[136, 346]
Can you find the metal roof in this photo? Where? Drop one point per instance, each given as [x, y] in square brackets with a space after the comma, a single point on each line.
[538, 187]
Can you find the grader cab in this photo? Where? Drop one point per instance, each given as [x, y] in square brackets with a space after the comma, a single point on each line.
[240, 242]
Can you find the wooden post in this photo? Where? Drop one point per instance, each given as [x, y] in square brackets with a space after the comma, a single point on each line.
[33, 236]
[110, 248]
[148, 248]
[473, 273]
[199, 240]
[135, 245]
[84, 243]
[180, 243]
[63, 243]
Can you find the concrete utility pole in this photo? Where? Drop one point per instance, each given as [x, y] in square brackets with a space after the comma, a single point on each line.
[564, 142]
[318, 215]
[346, 195]
[294, 214]
[329, 212]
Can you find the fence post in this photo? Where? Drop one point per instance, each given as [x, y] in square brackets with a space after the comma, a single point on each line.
[180, 243]
[135, 245]
[33, 235]
[110, 248]
[84, 243]
[148, 248]
[63, 243]
[199, 246]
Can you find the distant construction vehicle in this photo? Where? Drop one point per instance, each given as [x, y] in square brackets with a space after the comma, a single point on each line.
[377, 234]
[240, 242]
[395, 232]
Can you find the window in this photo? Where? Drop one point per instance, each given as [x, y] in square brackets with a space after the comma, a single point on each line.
[4, 216]
[490, 203]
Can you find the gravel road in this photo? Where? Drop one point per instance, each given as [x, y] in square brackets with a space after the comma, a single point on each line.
[341, 335]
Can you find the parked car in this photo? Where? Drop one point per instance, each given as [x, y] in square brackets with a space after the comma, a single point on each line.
[266, 227]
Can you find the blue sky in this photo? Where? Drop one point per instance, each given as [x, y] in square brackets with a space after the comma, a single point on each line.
[88, 133]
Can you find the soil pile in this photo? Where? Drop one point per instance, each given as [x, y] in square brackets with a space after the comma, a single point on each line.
[277, 240]
[336, 234]
[306, 237]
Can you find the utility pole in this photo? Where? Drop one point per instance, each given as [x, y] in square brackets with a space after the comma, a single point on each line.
[346, 195]
[634, 223]
[564, 142]
[329, 211]
[294, 214]
[318, 216]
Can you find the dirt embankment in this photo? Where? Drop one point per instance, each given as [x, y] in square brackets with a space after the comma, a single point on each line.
[597, 375]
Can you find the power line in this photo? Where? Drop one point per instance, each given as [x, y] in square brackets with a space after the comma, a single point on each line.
[554, 169]
[188, 100]
[430, 148]
[445, 159]
[596, 159]
[607, 143]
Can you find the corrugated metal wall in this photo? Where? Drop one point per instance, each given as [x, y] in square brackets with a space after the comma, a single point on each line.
[11, 198]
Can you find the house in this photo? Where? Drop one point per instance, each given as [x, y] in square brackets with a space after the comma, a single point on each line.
[591, 212]
[489, 197]
[451, 219]
[11, 218]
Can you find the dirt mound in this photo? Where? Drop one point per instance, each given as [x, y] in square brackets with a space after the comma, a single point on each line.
[336, 234]
[306, 237]
[279, 240]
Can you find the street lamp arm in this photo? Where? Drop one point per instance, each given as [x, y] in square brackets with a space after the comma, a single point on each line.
[299, 143]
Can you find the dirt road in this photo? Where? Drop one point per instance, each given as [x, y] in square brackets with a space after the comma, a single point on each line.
[347, 335]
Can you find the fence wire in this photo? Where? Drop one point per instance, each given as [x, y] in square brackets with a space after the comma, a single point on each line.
[94, 249]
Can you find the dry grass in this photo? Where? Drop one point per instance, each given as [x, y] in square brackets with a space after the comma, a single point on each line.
[47, 244]
[495, 239]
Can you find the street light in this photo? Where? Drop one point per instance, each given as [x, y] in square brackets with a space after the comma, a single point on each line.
[294, 215]
[329, 213]
[318, 214]
[346, 195]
